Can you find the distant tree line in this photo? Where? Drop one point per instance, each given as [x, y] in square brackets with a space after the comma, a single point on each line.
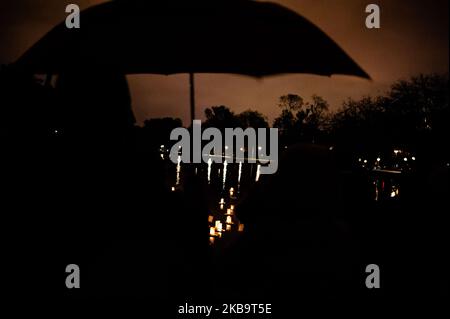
[413, 113]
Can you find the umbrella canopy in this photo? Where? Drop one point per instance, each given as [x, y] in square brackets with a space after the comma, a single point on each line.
[197, 36]
[166, 37]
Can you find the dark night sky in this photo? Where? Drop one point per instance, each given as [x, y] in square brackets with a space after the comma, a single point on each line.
[413, 39]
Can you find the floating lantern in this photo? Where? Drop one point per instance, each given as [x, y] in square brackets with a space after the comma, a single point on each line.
[178, 170]
[218, 226]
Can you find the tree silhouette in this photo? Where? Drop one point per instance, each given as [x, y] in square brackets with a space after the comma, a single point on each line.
[253, 119]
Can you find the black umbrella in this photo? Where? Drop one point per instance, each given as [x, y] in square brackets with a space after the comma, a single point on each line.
[167, 37]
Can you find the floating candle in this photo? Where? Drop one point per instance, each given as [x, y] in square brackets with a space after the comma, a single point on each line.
[218, 226]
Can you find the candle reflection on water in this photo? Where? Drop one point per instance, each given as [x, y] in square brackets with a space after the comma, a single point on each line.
[239, 175]
[178, 170]
[258, 172]
[225, 164]
[209, 170]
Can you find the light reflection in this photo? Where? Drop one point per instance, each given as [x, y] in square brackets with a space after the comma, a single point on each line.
[225, 164]
[258, 172]
[209, 170]
[239, 175]
[178, 170]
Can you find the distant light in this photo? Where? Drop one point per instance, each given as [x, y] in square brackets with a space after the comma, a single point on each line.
[393, 194]
[396, 152]
[259, 148]
[242, 149]
[226, 147]
[359, 160]
[365, 161]
[162, 146]
[413, 158]
[173, 189]
[331, 148]
[405, 159]
[378, 159]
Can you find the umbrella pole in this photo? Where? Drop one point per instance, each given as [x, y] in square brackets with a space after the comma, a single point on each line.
[192, 96]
